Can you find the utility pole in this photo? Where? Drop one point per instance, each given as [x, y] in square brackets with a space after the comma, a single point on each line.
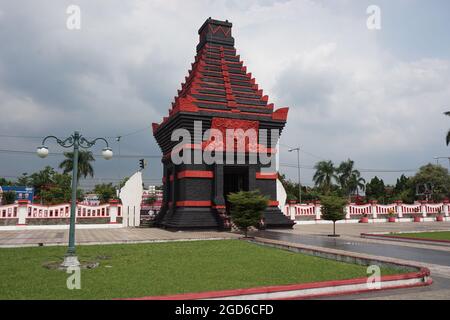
[298, 168]
[437, 160]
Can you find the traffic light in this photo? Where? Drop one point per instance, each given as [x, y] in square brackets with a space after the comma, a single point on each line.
[142, 164]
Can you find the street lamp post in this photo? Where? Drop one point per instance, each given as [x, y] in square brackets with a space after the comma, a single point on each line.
[298, 168]
[76, 141]
[437, 160]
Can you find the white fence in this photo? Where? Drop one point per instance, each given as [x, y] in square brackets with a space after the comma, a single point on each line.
[25, 213]
[307, 213]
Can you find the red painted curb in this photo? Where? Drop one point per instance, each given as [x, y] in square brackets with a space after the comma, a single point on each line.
[385, 236]
[303, 286]
[312, 296]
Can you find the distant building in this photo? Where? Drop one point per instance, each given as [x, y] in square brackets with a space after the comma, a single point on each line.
[151, 193]
[91, 199]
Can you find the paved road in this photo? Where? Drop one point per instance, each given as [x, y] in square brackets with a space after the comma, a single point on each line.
[401, 252]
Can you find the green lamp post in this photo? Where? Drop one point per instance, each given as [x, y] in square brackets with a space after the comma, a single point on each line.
[76, 141]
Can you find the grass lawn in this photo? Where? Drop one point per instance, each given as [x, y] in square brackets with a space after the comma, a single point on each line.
[438, 235]
[135, 270]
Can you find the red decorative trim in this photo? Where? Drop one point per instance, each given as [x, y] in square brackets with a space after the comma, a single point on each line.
[280, 114]
[23, 202]
[303, 286]
[207, 145]
[194, 203]
[195, 174]
[354, 292]
[114, 202]
[273, 203]
[155, 127]
[266, 176]
[219, 207]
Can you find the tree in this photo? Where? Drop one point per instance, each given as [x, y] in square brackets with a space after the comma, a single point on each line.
[41, 180]
[247, 208]
[105, 191]
[122, 183]
[84, 163]
[349, 178]
[4, 182]
[355, 183]
[290, 187]
[325, 175]
[52, 187]
[375, 189]
[23, 180]
[8, 197]
[58, 190]
[404, 190]
[402, 184]
[436, 176]
[150, 200]
[333, 209]
[344, 171]
[447, 139]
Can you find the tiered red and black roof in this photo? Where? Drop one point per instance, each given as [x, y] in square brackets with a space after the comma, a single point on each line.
[218, 84]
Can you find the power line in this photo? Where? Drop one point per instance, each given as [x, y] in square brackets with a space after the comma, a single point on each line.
[26, 152]
[20, 137]
[132, 132]
[359, 169]
[386, 170]
[303, 151]
[136, 156]
[107, 137]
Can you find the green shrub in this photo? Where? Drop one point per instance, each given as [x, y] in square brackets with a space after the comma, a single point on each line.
[247, 208]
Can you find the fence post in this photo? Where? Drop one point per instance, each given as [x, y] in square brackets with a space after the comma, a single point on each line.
[423, 205]
[318, 210]
[292, 208]
[22, 212]
[113, 204]
[347, 210]
[374, 208]
[446, 207]
[399, 208]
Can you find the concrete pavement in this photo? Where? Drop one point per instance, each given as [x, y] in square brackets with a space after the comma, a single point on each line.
[104, 236]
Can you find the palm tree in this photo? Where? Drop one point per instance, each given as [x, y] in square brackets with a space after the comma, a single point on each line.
[349, 178]
[356, 183]
[84, 163]
[324, 176]
[344, 171]
[447, 139]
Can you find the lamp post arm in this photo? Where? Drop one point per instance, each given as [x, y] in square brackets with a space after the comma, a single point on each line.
[66, 143]
[85, 144]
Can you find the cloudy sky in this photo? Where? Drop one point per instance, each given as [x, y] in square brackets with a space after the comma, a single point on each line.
[375, 96]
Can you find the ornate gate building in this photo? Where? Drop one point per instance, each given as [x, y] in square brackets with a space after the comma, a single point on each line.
[218, 94]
